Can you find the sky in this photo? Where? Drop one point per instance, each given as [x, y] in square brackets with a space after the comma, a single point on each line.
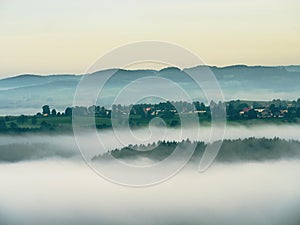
[52, 37]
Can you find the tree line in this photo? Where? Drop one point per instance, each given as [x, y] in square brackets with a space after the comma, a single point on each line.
[235, 109]
[139, 113]
[249, 149]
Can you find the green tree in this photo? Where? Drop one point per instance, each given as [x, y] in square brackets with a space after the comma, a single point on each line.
[232, 112]
[256, 105]
[2, 124]
[46, 126]
[21, 119]
[46, 109]
[34, 120]
[202, 106]
[174, 123]
[68, 111]
[252, 114]
[13, 126]
[272, 107]
[298, 112]
[53, 112]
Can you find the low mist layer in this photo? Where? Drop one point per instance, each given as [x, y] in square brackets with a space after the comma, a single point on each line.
[64, 192]
[33, 147]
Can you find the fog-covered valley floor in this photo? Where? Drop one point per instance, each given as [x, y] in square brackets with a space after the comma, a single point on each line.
[60, 188]
[65, 192]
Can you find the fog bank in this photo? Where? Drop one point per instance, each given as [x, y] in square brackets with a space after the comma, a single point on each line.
[65, 192]
[36, 146]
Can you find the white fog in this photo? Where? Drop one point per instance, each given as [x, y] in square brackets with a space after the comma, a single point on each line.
[112, 139]
[64, 190]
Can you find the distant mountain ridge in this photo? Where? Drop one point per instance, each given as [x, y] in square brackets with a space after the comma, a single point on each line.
[35, 79]
[291, 68]
[32, 79]
[27, 93]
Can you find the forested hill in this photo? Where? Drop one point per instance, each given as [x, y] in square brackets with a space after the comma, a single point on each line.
[250, 149]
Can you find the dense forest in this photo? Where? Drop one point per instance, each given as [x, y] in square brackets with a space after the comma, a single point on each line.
[238, 150]
[249, 149]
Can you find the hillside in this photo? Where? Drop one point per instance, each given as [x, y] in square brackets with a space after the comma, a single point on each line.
[249, 149]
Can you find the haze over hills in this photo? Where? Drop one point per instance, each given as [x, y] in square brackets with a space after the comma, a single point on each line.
[30, 92]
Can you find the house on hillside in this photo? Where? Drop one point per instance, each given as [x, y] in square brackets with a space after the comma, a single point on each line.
[260, 110]
[245, 110]
[266, 113]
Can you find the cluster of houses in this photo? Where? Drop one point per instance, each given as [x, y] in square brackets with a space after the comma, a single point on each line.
[155, 112]
[246, 112]
[158, 111]
[259, 112]
[264, 112]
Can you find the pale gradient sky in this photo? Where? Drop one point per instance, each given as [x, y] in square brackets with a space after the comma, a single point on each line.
[67, 36]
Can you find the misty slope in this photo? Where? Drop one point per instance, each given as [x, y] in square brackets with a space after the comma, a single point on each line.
[249, 149]
[16, 152]
[237, 150]
[29, 92]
